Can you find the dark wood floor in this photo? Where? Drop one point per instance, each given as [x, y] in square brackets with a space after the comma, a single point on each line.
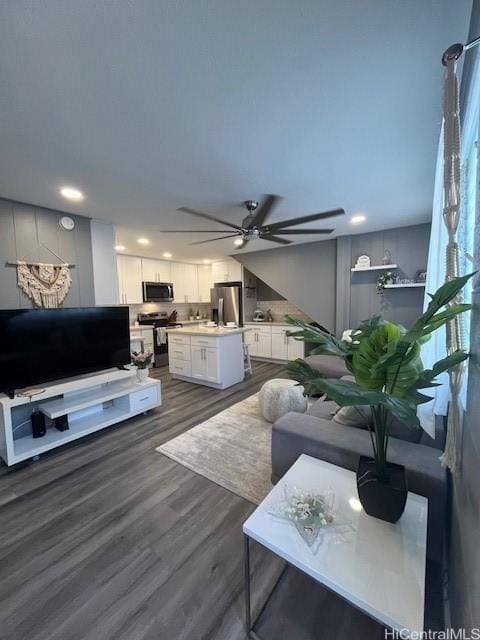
[107, 539]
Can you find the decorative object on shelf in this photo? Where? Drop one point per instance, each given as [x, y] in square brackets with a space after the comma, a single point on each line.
[190, 314]
[387, 257]
[45, 284]
[142, 361]
[386, 278]
[384, 359]
[269, 315]
[308, 510]
[363, 262]
[421, 275]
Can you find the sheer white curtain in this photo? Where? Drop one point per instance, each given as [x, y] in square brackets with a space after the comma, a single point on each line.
[435, 349]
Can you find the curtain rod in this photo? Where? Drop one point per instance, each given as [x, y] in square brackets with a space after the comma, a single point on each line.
[456, 50]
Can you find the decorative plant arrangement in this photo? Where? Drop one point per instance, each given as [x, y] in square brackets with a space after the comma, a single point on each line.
[386, 278]
[142, 361]
[384, 358]
[308, 510]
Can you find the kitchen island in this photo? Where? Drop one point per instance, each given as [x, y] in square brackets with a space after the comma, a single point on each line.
[208, 356]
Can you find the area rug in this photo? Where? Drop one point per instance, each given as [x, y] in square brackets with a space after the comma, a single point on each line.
[232, 449]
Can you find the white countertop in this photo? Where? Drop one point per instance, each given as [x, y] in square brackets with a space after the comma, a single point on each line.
[269, 324]
[214, 332]
[378, 566]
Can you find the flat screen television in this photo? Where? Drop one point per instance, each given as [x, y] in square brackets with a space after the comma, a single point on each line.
[41, 345]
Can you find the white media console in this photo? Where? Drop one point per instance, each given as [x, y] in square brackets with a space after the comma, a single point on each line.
[91, 403]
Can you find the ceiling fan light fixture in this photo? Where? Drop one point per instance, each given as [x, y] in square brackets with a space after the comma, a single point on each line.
[238, 242]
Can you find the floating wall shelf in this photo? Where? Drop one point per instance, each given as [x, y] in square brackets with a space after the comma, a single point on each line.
[410, 285]
[375, 267]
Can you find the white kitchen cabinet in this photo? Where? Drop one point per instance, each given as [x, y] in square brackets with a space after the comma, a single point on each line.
[272, 342]
[129, 279]
[213, 361]
[156, 270]
[279, 343]
[259, 341]
[185, 282]
[205, 282]
[227, 271]
[295, 348]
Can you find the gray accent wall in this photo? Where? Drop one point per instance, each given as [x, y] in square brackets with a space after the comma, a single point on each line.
[316, 277]
[303, 274]
[409, 249]
[24, 230]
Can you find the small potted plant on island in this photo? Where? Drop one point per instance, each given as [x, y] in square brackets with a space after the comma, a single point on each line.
[384, 359]
[142, 361]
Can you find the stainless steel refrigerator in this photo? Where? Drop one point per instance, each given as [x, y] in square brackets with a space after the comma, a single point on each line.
[226, 301]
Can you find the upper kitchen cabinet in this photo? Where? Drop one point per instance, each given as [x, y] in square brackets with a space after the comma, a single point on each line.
[227, 271]
[129, 279]
[185, 282]
[156, 270]
[205, 282]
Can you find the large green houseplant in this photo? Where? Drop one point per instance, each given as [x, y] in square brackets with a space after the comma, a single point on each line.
[384, 358]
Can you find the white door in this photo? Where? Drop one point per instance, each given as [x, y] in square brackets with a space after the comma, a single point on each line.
[191, 282]
[212, 364]
[205, 282]
[264, 344]
[279, 344]
[296, 349]
[155, 270]
[178, 280]
[130, 279]
[251, 340]
[234, 271]
[199, 363]
[220, 271]
[149, 270]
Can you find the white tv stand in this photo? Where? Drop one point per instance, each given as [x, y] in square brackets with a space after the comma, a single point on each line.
[91, 403]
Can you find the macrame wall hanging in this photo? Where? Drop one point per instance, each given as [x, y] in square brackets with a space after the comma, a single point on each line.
[46, 285]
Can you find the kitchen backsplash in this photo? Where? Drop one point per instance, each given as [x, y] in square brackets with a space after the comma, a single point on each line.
[280, 308]
[182, 309]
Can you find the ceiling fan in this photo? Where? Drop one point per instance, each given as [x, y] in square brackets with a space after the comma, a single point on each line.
[254, 225]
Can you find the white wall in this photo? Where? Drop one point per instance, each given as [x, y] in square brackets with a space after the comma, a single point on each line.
[105, 277]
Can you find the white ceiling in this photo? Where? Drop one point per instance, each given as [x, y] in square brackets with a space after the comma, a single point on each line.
[149, 105]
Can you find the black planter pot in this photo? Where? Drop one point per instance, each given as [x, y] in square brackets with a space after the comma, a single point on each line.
[384, 500]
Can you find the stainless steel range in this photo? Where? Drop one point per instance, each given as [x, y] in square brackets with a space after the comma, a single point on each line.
[159, 319]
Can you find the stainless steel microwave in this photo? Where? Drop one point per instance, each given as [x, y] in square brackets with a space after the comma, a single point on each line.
[157, 291]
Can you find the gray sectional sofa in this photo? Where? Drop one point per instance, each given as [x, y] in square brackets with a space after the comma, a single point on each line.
[316, 434]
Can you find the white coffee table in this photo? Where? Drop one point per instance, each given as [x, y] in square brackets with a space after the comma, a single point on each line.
[379, 568]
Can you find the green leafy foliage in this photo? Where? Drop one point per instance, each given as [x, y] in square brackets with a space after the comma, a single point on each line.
[385, 360]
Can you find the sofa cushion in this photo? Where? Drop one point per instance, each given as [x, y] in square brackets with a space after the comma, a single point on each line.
[329, 366]
[359, 417]
[323, 409]
[294, 434]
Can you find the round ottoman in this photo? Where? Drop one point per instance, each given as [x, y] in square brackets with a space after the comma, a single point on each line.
[277, 397]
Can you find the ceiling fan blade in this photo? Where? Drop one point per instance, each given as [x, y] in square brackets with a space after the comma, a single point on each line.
[207, 216]
[232, 235]
[294, 221]
[301, 232]
[264, 210]
[190, 231]
[276, 239]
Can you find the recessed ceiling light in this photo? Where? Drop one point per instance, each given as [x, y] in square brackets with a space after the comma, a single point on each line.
[167, 254]
[143, 241]
[358, 219]
[206, 261]
[238, 242]
[355, 504]
[70, 193]
[119, 247]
